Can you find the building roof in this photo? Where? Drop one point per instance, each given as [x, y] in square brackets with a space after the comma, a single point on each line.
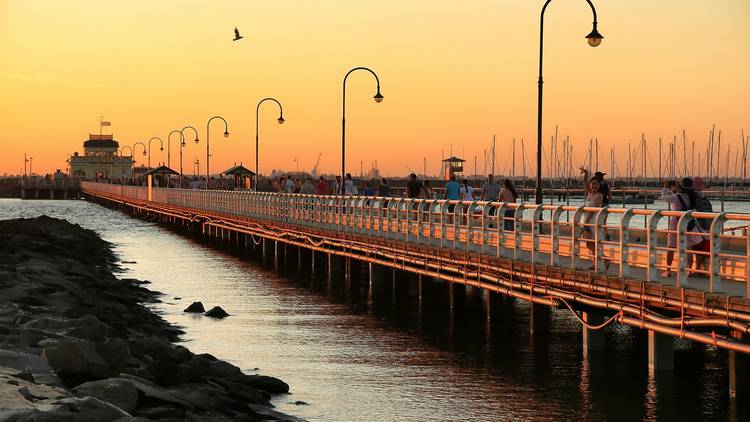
[101, 143]
[239, 170]
[454, 159]
[161, 170]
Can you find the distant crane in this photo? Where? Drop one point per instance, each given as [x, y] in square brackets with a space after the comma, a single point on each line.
[314, 171]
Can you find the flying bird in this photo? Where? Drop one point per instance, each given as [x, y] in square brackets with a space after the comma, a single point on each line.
[237, 35]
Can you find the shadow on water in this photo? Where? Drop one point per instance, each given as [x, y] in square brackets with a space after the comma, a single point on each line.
[389, 346]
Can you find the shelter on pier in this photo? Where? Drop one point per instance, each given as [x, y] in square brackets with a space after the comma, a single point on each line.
[242, 176]
[451, 166]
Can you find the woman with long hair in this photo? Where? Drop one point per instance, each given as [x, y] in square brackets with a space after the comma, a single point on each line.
[508, 194]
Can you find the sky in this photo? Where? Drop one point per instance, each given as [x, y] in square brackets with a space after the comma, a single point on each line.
[453, 74]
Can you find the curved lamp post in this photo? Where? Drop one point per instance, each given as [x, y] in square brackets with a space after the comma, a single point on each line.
[594, 39]
[182, 145]
[161, 148]
[378, 98]
[169, 147]
[132, 170]
[208, 145]
[257, 113]
[123, 149]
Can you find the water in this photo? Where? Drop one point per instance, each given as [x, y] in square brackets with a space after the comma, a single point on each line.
[385, 357]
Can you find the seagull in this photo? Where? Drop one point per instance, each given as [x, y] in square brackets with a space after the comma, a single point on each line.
[237, 35]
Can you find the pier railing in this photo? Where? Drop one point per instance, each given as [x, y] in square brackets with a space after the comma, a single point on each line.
[627, 242]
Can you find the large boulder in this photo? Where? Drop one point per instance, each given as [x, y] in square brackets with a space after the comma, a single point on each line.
[76, 361]
[36, 366]
[116, 352]
[195, 307]
[117, 391]
[151, 394]
[266, 383]
[217, 312]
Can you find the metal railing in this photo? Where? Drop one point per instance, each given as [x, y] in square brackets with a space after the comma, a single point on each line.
[607, 240]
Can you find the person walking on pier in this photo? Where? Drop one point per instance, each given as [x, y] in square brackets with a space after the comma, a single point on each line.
[452, 189]
[336, 186]
[594, 199]
[490, 189]
[467, 192]
[680, 198]
[427, 190]
[603, 186]
[508, 194]
[322, 186]
[350, 188]
[307, 187]
[413, 187]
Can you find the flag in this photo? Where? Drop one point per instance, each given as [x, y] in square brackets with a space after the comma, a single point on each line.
[106, 123]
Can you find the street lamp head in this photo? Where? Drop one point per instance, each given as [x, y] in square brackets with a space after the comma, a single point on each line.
[144, 152]
[197, 140]
[226, 133]
[161, 148]
[595, 38]
[183, 143]
[378, 97]
[281, 120]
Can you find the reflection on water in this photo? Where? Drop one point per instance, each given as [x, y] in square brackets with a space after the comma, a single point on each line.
[356, 351]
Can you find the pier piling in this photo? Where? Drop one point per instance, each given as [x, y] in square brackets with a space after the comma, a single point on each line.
[660, 352]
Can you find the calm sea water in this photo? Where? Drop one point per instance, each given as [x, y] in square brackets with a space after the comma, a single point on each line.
[386, 356]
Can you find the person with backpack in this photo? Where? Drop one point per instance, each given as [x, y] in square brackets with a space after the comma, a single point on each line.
[702, 204]
[681, 198]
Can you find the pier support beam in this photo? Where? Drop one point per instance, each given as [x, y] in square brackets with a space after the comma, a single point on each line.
[660, 352]
[593, 340]
[739, 371]
[539, 319]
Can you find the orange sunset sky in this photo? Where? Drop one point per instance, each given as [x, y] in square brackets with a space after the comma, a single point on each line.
[452, 73]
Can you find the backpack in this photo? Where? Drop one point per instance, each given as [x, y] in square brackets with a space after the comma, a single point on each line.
[702, 204]
[693, 221]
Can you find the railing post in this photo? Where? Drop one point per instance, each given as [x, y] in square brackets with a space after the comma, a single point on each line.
[554, 235]
[652, 272]
[600, 220]
[517, 230]
[500, 229]
[714, 261]
[575, 233]
[624, 241]
[536, 225]
[681, 245]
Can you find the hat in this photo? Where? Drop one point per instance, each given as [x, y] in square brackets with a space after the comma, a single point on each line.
[599, 174]
[686, 183]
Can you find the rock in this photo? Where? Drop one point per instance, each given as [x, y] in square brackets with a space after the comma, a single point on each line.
[195, 307]
[273, 414]
[208, 366]
[300, 403]
[266, 383]
[76, 361]
[242, 392]
[202, 396]
[116, 352]
[161, 413]
[168, 373]
[216, 312]
[117, 391]
[131, 419]
[154, 395]
[36, 366]
[91, 408]
[159, 350]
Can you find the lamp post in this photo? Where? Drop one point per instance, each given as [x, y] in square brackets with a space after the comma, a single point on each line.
[161, 148]
[208, 144]
[31, 163]
[594, 39]
[132, 169]
[378, 98]
[169, 147]
[257, 113]
[182, 145]
[25, 164]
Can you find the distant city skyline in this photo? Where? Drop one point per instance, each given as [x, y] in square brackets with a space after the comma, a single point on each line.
[451, 74]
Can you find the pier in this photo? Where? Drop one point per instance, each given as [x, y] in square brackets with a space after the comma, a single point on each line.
[538, 255]
[67, 188]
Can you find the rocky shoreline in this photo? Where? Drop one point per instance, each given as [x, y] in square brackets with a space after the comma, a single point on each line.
[78, 344]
